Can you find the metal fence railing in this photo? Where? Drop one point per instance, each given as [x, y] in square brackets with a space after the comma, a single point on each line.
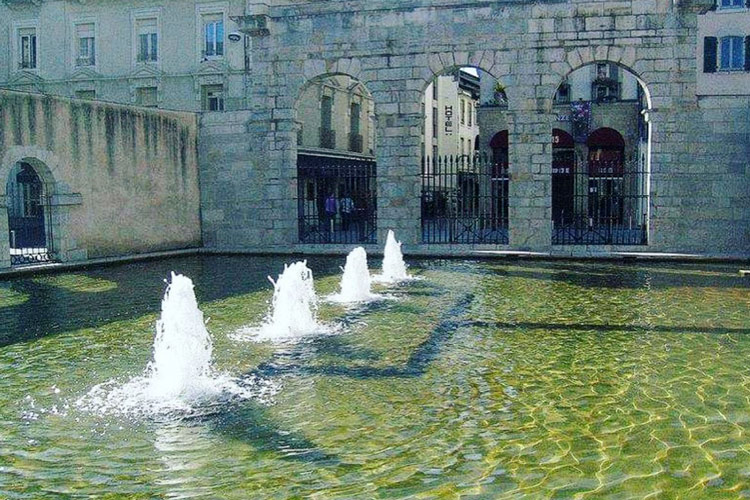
[600, 203]
[464, 200]
[337, 200]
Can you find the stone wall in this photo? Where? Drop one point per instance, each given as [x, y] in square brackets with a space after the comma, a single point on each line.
[121, 180]
[699, 177]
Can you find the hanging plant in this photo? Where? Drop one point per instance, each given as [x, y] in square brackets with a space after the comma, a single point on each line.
[499, 94]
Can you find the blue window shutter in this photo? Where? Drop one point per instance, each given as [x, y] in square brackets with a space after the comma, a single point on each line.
[747, 53]
[709, 54]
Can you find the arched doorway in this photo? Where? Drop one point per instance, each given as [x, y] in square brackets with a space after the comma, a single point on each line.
[28, 216]
[336, 167]
[464, 192]
[563, 179]
[601, 157]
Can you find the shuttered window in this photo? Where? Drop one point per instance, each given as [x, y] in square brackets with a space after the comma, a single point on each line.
[709, 54]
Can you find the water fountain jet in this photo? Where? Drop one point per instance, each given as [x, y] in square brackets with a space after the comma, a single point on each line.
[181, 373]
[394, 267]
[356, 281]
[294, 308]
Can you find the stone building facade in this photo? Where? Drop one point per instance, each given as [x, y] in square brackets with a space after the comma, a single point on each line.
[173, 55]
[697, 154]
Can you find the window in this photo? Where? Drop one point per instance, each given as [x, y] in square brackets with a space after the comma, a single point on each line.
[463, 112]
[434, 122]
[147, 40]
[27, 48]
[435, 89]
[471, 117]
[146, 96]
[86, 45]
[730, 4]
[326, 108]
[563, 93]
[212, 97]
[86, 94]
[463, 147]
[732, 55]
[354, 118]
[213, 35]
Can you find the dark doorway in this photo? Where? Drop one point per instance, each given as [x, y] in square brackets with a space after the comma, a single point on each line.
[563, 185]
[28, 214]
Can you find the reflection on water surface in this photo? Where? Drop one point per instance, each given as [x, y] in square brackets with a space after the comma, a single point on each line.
[493, 379]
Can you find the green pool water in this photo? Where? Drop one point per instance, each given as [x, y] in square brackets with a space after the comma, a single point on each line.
[492, 379]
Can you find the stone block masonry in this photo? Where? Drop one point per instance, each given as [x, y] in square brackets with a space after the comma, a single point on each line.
[120, 180]
[396, 48]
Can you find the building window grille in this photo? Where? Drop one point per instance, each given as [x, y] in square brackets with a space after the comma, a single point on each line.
[86, 45]
[212, 97]
[327, 134]
[732, 54]
[356, 141]
[27, 48]
[148, 41]
[146, 96]
[213, 35]
[562, 96]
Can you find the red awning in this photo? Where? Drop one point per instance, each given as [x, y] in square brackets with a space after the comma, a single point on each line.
[561, 139]
[605, 138]
[500, 140]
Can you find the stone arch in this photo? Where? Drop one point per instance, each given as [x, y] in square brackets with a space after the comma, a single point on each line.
[584, 58]
[45, 163]
[355, 87]
[49, 168]
[607, 190]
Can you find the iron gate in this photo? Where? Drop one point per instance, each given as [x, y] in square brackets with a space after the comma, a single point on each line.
[337, 200]
[600, 203]
[29, 217]
[464, 200]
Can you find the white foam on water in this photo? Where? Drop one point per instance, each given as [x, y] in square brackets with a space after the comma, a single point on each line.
[293, 313]
[181, 375]
[355, 282]
[394, 267]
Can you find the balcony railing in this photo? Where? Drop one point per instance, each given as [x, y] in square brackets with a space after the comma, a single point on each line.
[356, 143]
[327, 138]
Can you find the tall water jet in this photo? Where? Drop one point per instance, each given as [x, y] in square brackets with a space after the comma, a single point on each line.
[183, 347]
[394, 267]
[294, 307]
[181, 373]
[356, 281]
